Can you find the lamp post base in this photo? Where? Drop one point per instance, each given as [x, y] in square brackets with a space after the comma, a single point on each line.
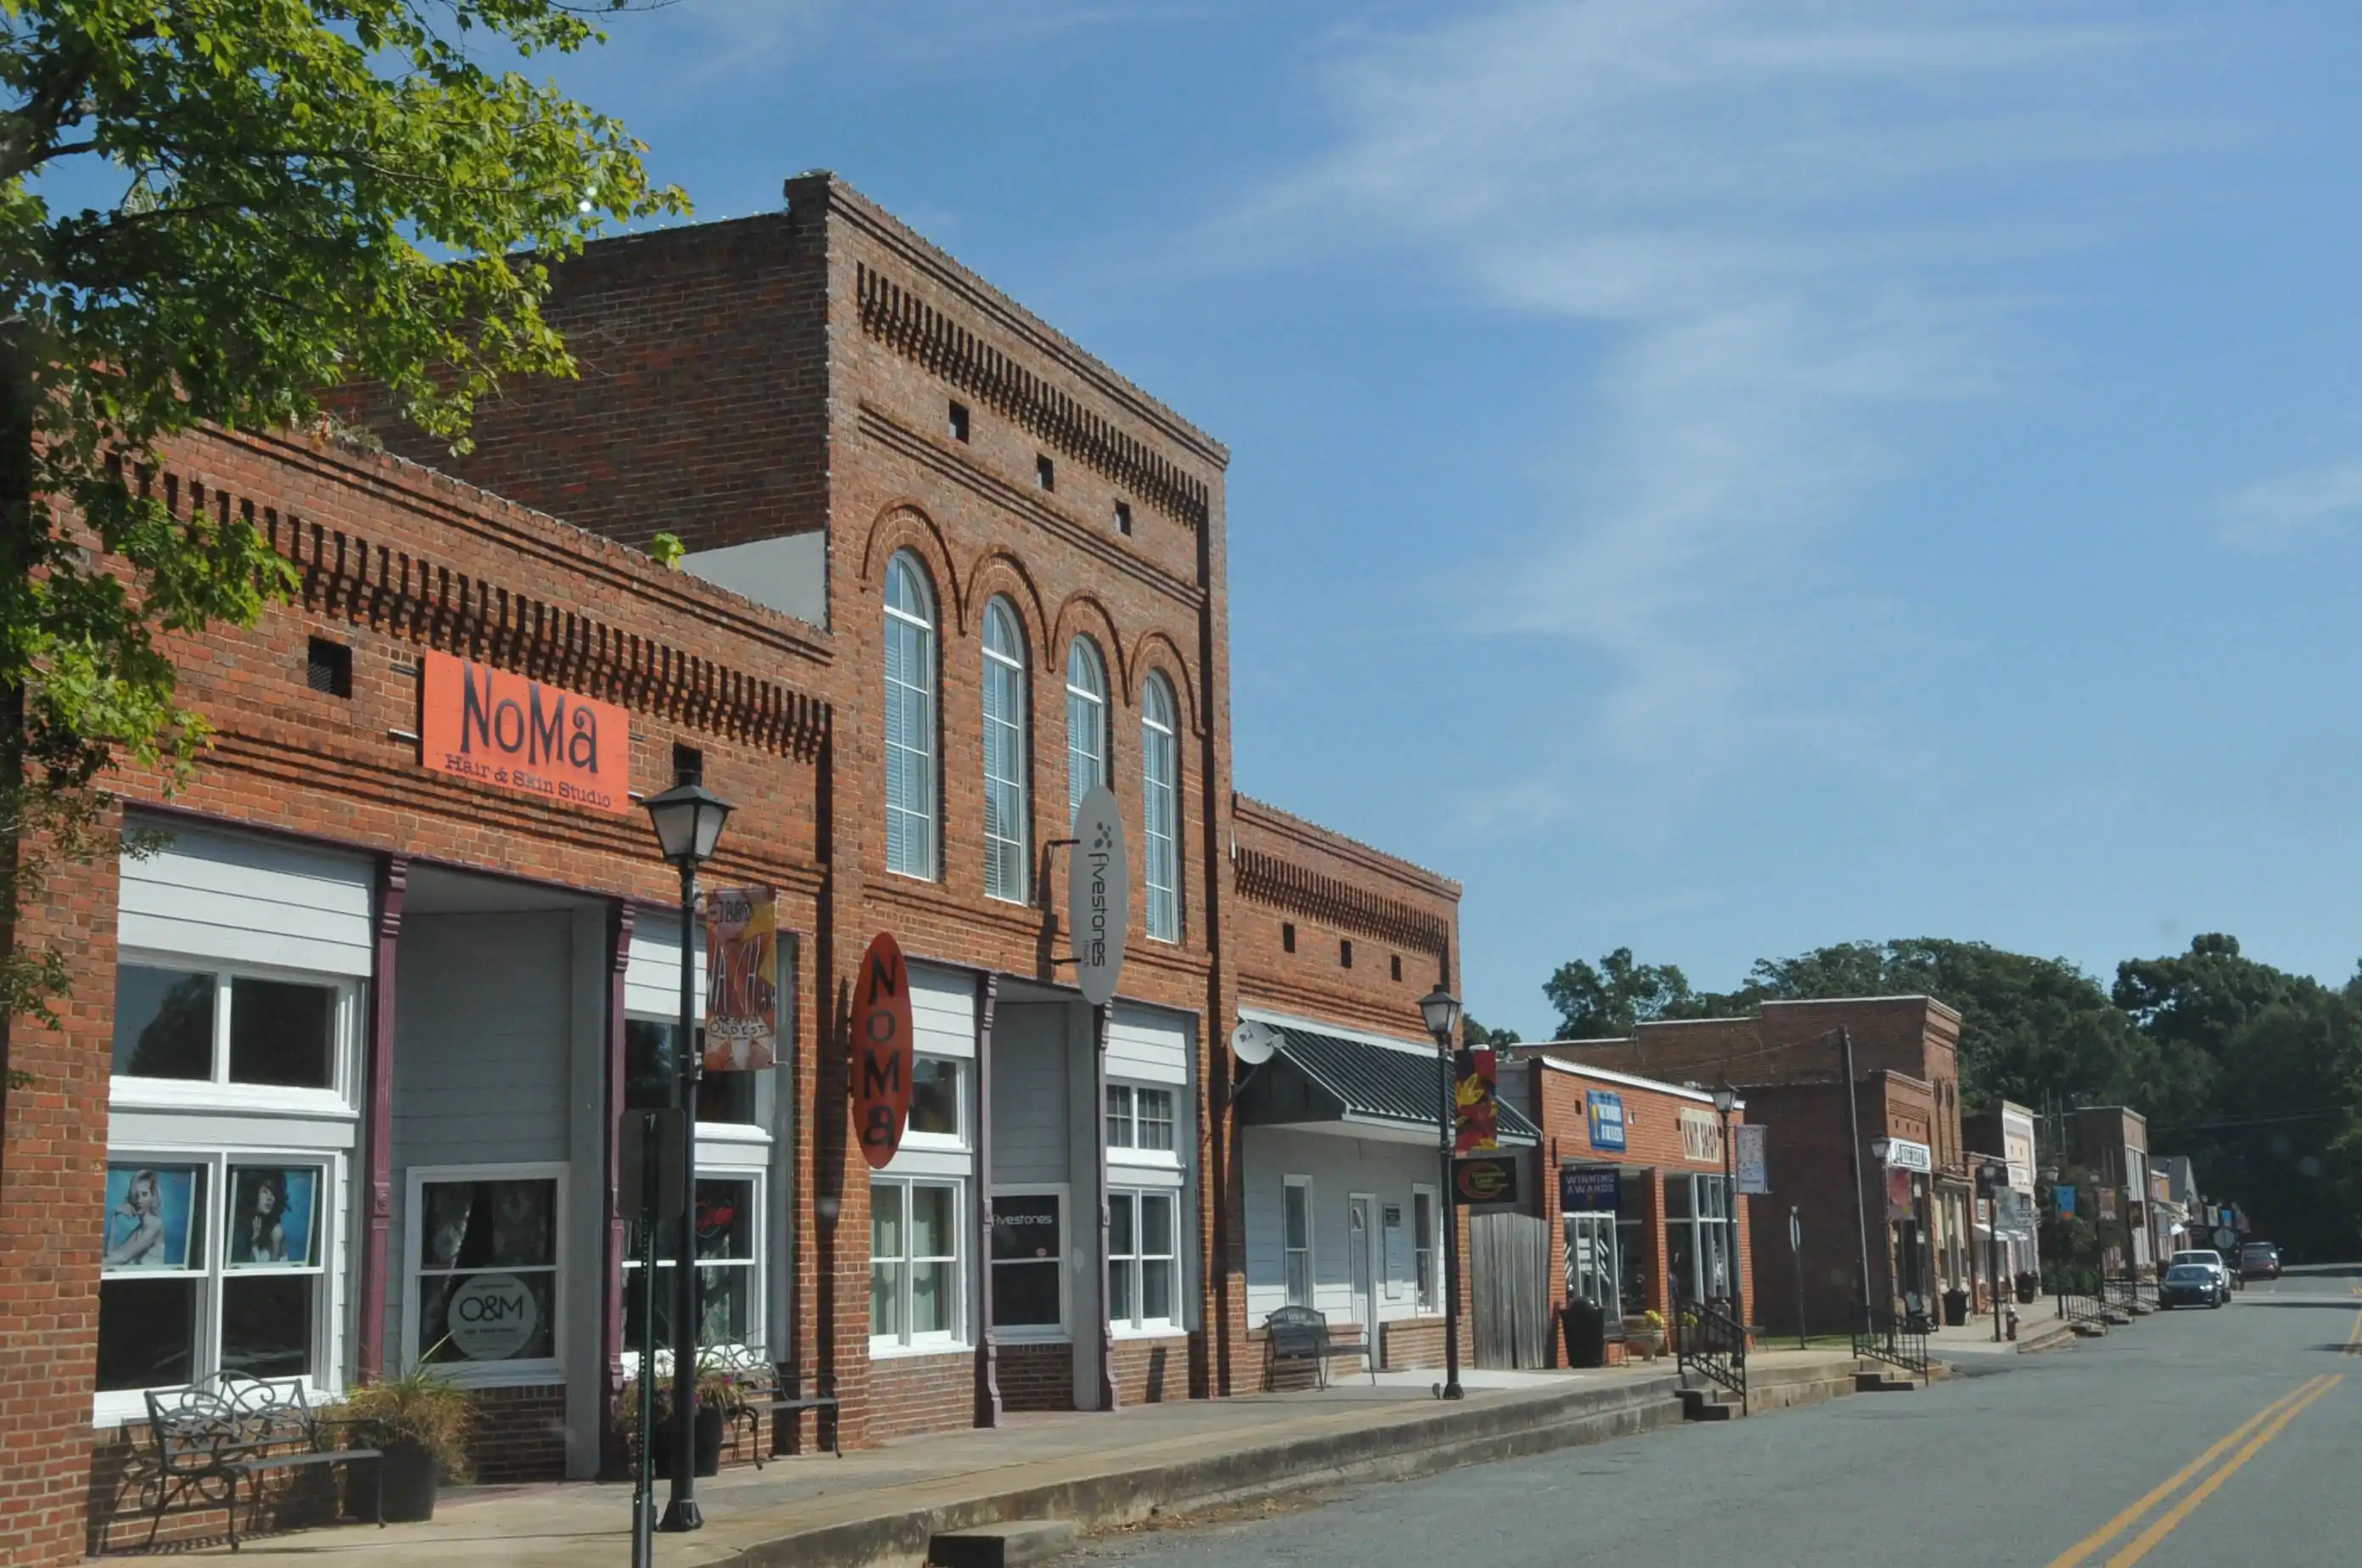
[681, 1516]
[1449, 1391]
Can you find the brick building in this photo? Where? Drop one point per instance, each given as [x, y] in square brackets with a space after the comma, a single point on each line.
[2112, 1142]
[1912, 1221]
[945, 571]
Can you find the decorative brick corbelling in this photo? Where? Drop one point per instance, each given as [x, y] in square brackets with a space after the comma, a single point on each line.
[1280, 884]
[930, 339]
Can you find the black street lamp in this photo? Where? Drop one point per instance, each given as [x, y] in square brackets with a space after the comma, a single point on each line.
[689, 824]
[1441, 1011]
[1725, 1097]
[1992, 1178]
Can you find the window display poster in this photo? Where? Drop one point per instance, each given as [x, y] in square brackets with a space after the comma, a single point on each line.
[1398, 1245]
[272, 1213]
[150, 1212]
[741, 990]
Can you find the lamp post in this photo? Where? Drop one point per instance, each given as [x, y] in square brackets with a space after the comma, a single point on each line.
[1992, 1178]
[1725, 1097]
[1880, 1147]
[1441, 1011]
[1861, 1200]
[688, 820]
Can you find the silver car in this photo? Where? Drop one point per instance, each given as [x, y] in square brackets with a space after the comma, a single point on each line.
[2206, 1258]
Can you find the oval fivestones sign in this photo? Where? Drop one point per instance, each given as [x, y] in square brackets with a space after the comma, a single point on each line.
[1098, 896]
[881, 1051]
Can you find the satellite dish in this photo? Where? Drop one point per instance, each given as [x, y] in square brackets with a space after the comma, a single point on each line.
[1253, 1042]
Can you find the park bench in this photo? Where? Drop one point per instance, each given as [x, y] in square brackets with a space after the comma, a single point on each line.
[211, 1435]
[1300, 1333]
[765, 1391]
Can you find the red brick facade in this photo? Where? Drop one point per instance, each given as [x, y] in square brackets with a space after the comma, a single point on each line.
[743, 382]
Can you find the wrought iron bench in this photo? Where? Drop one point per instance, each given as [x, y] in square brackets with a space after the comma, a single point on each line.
[763, 1390]
[210, 1436]
[1300, 1333]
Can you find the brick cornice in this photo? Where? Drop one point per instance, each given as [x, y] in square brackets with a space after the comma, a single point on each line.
[1266, 817]
[928, 337]
[1268, 879]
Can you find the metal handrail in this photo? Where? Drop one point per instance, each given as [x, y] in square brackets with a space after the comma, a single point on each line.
[2130, 1290]
[1711, 1343]
[1900, 1342]
[2078, 1307]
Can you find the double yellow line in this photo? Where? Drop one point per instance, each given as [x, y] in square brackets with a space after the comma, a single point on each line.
[2247, 1438]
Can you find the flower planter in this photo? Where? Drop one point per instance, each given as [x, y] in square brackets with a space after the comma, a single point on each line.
[410, 1478]
[708, 1439]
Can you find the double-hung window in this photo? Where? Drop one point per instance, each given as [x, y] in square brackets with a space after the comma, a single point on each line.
[1086, 749]
[1295, 1238]
[911, 793]
[1140, 1117]
[1423, 1245]
[729, 1279]
[1160, 802]
[1006, 838]
[1141, 1259]
[914, 1263]
[202, 1025]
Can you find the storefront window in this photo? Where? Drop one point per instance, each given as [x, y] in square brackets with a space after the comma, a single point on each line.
[935, 1097]
[728, 1269]
[1423, 1239]
[1139, 1259]
[1697, 1240]
[649, 1069]
[913, 1262]
[1028, 1259]
[484, 1289]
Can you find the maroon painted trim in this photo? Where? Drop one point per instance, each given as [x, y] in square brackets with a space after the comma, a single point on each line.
[1102, 1016]
[987, 1339]
[620, 920]
[377, 1122]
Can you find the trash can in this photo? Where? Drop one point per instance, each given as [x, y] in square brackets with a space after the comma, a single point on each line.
[1955, 1307]
[1585, 1327]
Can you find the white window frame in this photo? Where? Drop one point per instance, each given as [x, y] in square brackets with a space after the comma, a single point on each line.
[757, 1180]
[1040, 1333]
[1427, 1250]
[937, 1342]
[924, 696]
[1128, 1146]
[113, 1407]
[525, 1372]
[1087, 722]
[216, 1091]
[1007, 720]
[1289, 1185]
[1135, 1264]
[1160, 809]
[960, 1140]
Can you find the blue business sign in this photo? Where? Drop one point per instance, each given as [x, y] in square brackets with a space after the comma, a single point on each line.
[1587, 1189]
[1606, 1118]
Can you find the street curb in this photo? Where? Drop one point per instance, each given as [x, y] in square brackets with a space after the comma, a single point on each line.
[1450, 1438]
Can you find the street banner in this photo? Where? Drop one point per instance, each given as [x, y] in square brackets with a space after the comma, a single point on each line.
[1589, 1189]
[1607, 1110]
[1898, 1195]
[741, 969]
[2107, 1203]
[1479, 1107]
[2066, 1198]
[1486, 1179]
[1748, 1159]
[883, 1055]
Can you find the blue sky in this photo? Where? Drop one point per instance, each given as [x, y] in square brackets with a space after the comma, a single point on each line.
[1719, 477]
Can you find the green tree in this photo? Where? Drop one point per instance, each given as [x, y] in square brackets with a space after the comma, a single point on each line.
[1473, 1034]
[279, 196]
[1617, 996]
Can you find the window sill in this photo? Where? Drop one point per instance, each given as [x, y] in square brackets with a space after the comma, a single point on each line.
[547, 1374]
[1150, 1331]
[190, 1094]
[887, 1350]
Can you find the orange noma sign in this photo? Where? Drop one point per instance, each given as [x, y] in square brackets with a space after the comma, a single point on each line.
[884, 1052]
[521, 735]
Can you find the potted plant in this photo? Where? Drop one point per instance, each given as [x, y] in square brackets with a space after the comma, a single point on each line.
[1645, 1334]
[719, 1396]
[421, 1421]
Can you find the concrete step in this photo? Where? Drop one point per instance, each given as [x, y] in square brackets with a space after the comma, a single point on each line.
[1709, 1405]
[1002, 1545]
[1884, 1382]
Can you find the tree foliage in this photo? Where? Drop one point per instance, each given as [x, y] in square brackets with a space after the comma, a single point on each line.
[211, 210]
[1618, 996]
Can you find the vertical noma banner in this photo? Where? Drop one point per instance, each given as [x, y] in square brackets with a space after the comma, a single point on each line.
[883, 1051]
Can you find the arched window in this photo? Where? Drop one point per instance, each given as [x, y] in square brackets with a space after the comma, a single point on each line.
[1086, 749]
[1160, 754]
[1004, 753]
[909, 718]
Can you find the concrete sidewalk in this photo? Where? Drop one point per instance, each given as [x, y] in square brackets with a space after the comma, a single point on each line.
[881, 1505]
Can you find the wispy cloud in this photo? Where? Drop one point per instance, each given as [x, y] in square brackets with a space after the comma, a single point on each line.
[2304, 504]
[1785, 233]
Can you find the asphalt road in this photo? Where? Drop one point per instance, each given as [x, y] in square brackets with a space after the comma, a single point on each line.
[2191, 1437]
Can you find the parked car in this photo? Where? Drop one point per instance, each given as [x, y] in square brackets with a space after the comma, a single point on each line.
[2191, 1284]
[2210, 1260]
[2259, 1260]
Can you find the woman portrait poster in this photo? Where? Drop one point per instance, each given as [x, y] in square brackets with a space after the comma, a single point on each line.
[271, 1214]
[149, 1210]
